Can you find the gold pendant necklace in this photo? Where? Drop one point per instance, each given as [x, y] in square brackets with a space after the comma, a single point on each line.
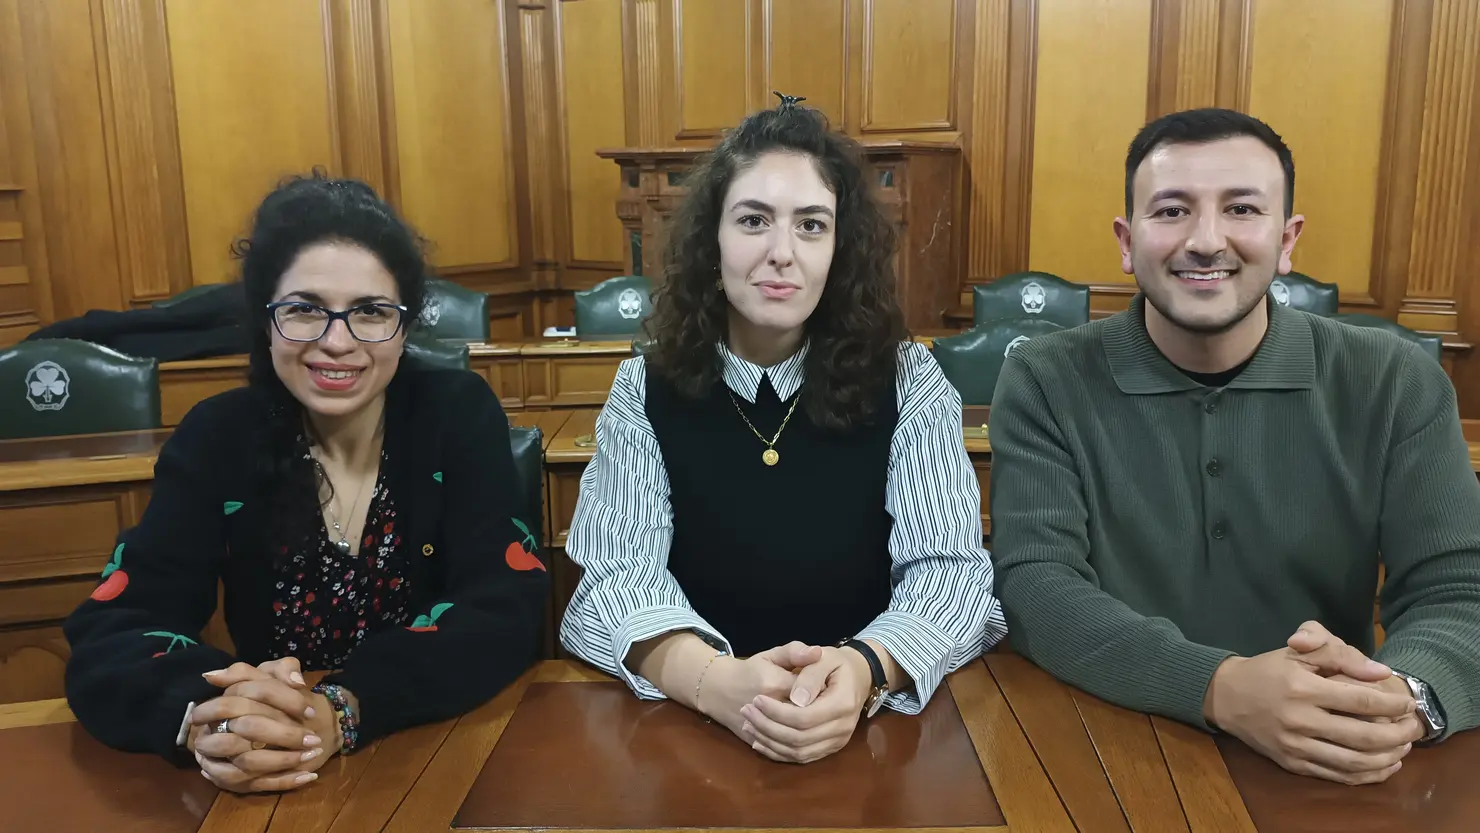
[770, 456]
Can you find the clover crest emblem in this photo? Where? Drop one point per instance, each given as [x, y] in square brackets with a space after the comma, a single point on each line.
[1034, 298]
[1012, 345]
[1281, 292]
[48, 387]
[629, 304]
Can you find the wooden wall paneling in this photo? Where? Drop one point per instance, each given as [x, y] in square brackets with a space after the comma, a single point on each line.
[1083, 120]
[591, 103]
[908, 67]
[62, 81]
[512, 316]
[33, 663]
[999, 149]
[712, 79]
[648, 122]
[281, 117]
[1466, 373]
[541, 130]
[25, 283]
[806, 54]
[1199, 55]
[1444, 204]
[1318, 77]
[359, 65]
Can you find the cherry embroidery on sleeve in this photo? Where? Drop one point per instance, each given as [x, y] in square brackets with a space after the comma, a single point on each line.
[175, 639]
[426, 624]
[519, 558]
[114, 578]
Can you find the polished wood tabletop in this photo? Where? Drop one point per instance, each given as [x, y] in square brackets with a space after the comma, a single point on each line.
[84, 459]
[1002, 747]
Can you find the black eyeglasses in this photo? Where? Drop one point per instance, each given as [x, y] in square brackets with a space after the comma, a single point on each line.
[368, 323]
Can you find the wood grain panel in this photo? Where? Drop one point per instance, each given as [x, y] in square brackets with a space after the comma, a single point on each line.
[358, 34]
[21, 309]
[280, 121]
[1319, 72]
[711, 65]
[144, 153]
[642, 75]
[537, 74]
[1438, 256]
[909, 66]
[806, 45]
[33, 663]
[61, 533]
[48, 601]
[452, 121]
[62, 69]
[1209, 797]
[1128, 751]
[1083, 122]
[592, 102]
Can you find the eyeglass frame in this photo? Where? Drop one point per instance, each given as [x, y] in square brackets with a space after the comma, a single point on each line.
[341, 315]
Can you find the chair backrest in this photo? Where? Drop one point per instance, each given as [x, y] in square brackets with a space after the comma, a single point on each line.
[56, 387]
[1305, 293]
[192, 292]
[434, 352]
[972, 361]
[529, 468]
[1034, 295]
[614, 307]
[454, 312]
[1431, 344]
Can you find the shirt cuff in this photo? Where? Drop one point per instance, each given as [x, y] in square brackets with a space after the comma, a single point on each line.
[185, 725]
[922, 650]
[645, 624]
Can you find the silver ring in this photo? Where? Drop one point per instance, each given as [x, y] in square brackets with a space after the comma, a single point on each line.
[223, 727]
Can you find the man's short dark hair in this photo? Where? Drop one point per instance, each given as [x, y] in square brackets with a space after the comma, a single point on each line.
[1195, 127]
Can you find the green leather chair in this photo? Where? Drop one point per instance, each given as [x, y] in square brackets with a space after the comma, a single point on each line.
[641, 344]
[529, 471]
[57, 387]
[972, 361]
[454, 312]
[1305, 293]
[614, 308]
[1431, 344]
[1034, 295]
[433, 352]
[192, 292]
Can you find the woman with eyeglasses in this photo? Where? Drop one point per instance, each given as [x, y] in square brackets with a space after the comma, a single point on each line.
[359, 512]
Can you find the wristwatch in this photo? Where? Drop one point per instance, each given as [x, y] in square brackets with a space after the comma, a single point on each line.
[1429, 710]
[879, 685]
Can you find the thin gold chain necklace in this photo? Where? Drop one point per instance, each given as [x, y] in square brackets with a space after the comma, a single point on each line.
[770, 457]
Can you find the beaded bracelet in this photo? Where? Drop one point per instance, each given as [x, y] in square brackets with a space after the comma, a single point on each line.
[349, 724]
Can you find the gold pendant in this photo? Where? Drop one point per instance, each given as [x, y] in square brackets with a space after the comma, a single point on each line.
[770, 457]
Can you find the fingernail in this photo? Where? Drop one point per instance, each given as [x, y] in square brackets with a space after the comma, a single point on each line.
[311, 754]
[204, 775]
[311, 740]
[1406, 748]
[801, 697]
[296, 677]
[214, 673]
[305, 777]
[747, 727]
[309, 712]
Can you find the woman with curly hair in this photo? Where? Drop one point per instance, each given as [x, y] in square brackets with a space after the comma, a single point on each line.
[359, 511]
[780, 526]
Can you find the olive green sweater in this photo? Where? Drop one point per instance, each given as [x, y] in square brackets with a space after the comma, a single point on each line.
[1145, 527]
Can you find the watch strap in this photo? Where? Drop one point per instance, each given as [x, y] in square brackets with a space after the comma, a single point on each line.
[1428, 708]
[880, 680]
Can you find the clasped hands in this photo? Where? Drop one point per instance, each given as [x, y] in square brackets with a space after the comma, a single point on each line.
[795, 703]
[1318, 707]
[278, 731]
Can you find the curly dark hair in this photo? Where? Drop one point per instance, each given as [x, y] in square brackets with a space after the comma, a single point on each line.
[855, 332]
[302, 211]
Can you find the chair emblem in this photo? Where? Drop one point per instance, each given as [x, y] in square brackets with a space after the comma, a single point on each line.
[1034, 298]
[48, 387]
[1281, 292]
[629, 303]
[431, 311]
[1012, 345]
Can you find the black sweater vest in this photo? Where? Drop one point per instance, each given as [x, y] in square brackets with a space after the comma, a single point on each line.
[771, 554]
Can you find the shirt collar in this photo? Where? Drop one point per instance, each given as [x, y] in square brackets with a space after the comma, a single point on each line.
[744, 378]
[1285, 359]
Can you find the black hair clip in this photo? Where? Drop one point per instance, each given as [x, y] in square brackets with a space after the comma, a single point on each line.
[788, 101]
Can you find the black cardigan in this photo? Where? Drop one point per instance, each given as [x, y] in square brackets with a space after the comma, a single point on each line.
[132, 670]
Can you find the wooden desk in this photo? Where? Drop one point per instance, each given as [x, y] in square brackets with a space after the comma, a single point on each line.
[1003, 747]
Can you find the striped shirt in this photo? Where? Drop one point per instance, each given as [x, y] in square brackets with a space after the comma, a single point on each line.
[942, 612]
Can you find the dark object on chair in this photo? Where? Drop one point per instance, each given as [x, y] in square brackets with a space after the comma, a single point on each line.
[1431, 344]
[192, 292]
[454, 312]
[191, 325]
[57, 387]
[435, 352]
[1038, 295]
[972, 361]
[614, 308]
[1305, 293]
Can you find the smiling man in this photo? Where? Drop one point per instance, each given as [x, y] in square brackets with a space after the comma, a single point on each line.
[1189, 498]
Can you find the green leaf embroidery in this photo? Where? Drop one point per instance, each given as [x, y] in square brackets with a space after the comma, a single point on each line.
[528, 536]
[422, 622]
[115, 563]
[438, 610]
[175, 639]
[232, 506]
[437, 476]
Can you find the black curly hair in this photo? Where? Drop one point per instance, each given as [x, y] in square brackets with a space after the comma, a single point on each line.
[300, 212]
[855, 332]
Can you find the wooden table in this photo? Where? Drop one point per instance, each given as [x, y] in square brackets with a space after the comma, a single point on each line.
[1002, 747]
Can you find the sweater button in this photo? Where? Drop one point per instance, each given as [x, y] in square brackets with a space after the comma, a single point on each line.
[1214, 468]
[1219, 531]
[1210, 407]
